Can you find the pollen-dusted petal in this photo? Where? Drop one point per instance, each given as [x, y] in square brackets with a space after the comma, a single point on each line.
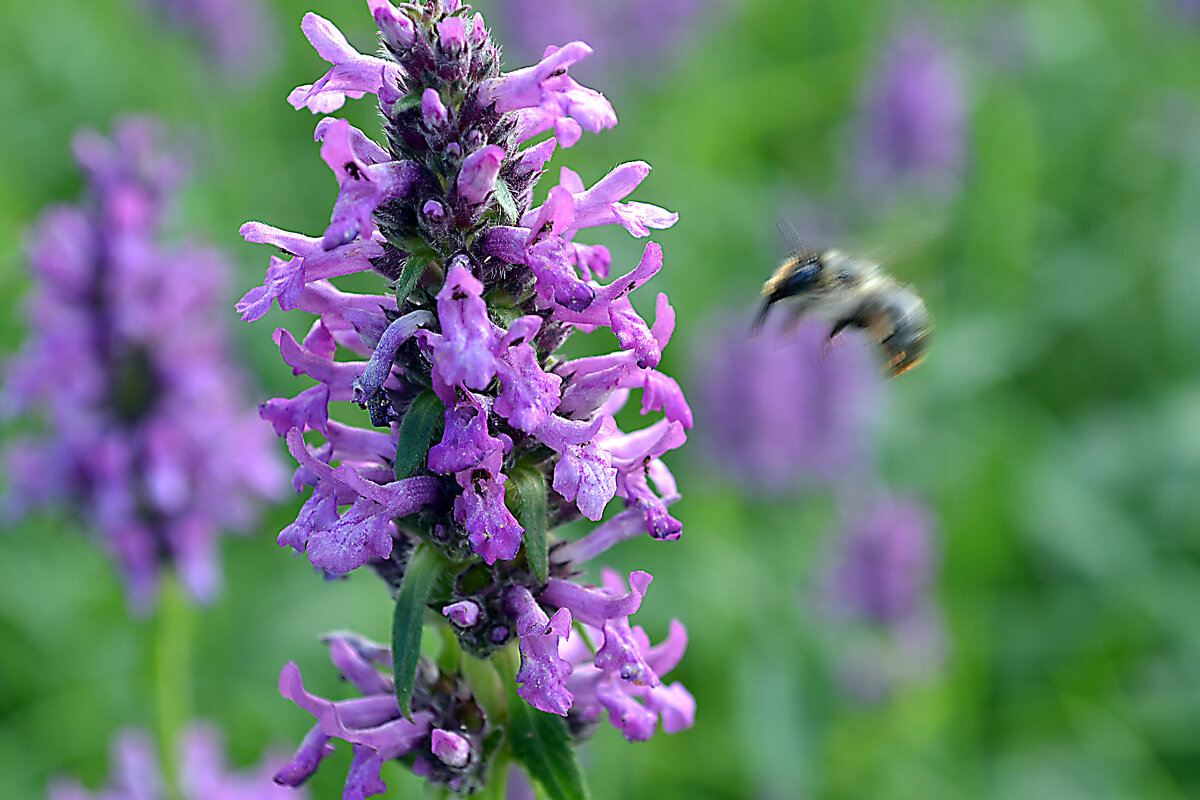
[528, 394]
[542, 678]
[585, 475]
[465, 442]
[493, 531]
[464, 355]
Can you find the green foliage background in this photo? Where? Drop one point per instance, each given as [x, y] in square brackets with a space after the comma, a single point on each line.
[1055, 429]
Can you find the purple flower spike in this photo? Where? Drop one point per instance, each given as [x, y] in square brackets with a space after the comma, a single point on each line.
[480, 407]
[148, 437]
[478, 174]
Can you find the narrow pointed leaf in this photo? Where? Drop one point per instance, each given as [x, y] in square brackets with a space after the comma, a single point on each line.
[504, 199]
[530, 495]
[541, 742]
[417, 430]
[423, 569]
[414, 268]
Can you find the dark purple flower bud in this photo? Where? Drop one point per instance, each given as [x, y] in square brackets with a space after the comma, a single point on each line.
[478, 174]
[433, 111]
[452, 35]
[451, 748]
[397, 29]
[464, 613]
[434, 210]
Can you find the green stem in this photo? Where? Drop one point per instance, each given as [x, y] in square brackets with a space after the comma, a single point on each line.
[172, 657]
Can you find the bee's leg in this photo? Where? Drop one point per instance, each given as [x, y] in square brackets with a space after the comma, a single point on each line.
[761, 319]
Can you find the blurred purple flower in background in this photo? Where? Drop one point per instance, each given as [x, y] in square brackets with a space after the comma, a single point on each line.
[203, 774]
[786, 407]
[879, 575]
[238, 36]
[912, 126]
[482, 440]
[633, 39]
[145, 428]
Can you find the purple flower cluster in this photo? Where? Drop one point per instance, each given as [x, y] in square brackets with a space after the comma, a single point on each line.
[880, 575]
[203, 774]
[482, 440]
[914, 118]
[787, 406]
[145, 434]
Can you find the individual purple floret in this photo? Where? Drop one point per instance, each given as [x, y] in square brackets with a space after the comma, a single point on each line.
[786, 406]
[880, 576]
[145, 431]
[203, 773]
[913, 122]
[482, 441]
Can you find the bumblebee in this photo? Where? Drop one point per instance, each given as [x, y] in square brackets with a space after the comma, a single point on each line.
[853, 292]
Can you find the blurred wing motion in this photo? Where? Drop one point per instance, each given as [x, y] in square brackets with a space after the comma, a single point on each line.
[852, 293]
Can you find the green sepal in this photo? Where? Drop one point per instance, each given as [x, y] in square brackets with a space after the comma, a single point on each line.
[414, 268]
[542, 743]
[417, 429]
[424, 568]
[410, 100]
[530, 501]
[504, 199]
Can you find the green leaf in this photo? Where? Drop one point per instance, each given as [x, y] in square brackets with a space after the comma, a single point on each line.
[417, 430]
[530, 511]
[504, 199]
[541, 742]
[414, 268]
[423, 569]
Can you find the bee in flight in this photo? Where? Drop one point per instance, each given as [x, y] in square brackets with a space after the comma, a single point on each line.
[853, 292]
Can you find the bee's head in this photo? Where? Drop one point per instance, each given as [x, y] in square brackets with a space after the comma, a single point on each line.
[801, 273]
